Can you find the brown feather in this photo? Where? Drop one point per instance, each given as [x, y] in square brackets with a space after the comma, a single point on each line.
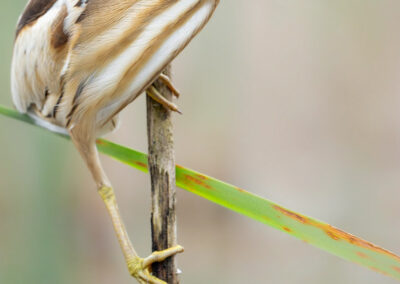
[32, 12]
[59, 38]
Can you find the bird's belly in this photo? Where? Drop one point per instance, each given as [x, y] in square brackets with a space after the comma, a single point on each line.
[34, 71]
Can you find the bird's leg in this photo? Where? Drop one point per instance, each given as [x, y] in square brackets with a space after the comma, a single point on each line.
[139, 268]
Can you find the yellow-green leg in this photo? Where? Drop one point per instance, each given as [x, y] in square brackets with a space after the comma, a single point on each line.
[138, 267]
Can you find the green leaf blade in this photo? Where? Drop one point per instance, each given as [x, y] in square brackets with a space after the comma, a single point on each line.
[314, 232]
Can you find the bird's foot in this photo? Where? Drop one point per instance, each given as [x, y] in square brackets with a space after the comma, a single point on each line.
[155, 94]
[167, 82]
[140, 268]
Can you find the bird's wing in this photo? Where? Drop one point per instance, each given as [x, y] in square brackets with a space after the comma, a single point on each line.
[122, 46]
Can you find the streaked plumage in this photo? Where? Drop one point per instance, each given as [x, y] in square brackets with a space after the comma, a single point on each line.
[78, 63]
[77, 58]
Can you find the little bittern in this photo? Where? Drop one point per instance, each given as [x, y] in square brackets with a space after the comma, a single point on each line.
[78, 63]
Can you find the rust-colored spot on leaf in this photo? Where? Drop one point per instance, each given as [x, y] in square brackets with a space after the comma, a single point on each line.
[241, 190]
[292, 214]
[361, 254]
[340, 235]
[396, 268]
[336, 234]
[287, 229]
[197, 181]
[379, 270]
[332, 235]
[100, 142]
[140, 164]
[202, 177]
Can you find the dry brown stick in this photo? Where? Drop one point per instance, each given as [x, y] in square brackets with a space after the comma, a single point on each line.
[162, 172]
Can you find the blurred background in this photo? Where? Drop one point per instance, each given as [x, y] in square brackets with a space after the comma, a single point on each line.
[297, 101]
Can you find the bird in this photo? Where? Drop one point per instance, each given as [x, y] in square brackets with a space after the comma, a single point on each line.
[77, 63]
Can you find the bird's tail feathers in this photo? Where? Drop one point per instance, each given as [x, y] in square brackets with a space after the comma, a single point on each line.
[39, 121]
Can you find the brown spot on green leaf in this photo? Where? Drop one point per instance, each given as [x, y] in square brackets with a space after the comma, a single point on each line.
[287, 229]
[336, 234]
[396, 268]
[292, 214]
[140, 164]
[197, 181]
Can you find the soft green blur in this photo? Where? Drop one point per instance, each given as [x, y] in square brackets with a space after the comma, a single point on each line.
[298, 97]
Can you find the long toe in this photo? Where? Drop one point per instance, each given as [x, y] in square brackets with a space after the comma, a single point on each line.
[167, 82]
[159, 256]
[140, 268]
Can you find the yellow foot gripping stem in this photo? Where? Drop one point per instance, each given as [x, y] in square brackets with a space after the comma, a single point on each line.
[140, 268]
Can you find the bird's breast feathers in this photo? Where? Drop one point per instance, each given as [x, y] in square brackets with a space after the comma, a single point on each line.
[76, 57]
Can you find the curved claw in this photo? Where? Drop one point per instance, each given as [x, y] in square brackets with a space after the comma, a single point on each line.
[155, 95]
[139, 268]
[167, 81]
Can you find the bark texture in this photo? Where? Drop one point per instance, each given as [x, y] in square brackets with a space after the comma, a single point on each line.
[162, 172]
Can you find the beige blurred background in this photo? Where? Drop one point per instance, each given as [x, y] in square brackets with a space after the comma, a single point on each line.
[297, 101]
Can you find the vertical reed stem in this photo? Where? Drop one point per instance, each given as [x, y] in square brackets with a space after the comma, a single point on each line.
[162, 172]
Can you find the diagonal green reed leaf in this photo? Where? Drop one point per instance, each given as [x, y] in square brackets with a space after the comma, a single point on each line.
[314, 232]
